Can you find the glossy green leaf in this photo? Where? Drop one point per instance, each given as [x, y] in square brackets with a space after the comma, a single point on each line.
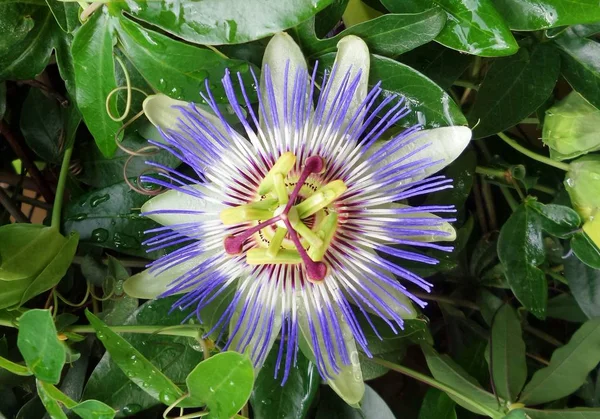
[585, 249]
[521, 251]
[50, 403]
[391, 34]
[18, 242]
[407, 6]
[291, 400]
[442, 65]
[462, 172]
[446, 371]
[558, 220]
[42, 351]
[25, 52]
[214, 22]
[181, 77]
[15, 368]
[94, 70]
[371, 406]
[54, 271]
[11, 292]
[430, 105]
[64, 60]
[65, 13]
[93, 409]
[568, 369]
[175, 356]
[437, 405]
[584, 283]
[100, 171]
[581, 65]
[109, 218]
[137, 368]
[579, 413]
[476, 28]
[507, 361]
[533, 15]
[329, 17]
[224, 382]
[529, 75]
[414, 331]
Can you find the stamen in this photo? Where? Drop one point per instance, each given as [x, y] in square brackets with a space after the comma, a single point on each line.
[326, 232]
[316, 271]
[275, 245]
[283, 165]
[314, 164]
[320, 199]
[261, 210]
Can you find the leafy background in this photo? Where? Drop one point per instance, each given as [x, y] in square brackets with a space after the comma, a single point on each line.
[513, 326]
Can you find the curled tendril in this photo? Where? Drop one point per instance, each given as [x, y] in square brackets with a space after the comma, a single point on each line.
[146, 151]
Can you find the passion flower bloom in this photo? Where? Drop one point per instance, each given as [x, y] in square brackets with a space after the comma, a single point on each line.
[301, 214]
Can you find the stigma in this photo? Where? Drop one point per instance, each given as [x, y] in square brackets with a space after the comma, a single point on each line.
[292, 220]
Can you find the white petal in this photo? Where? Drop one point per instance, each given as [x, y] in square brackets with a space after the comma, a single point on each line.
[353, 57]
[208, 208]
[279, 51]
[348, 383]
[445, 143]
[161, 111]
[149, 285]
[445, 231]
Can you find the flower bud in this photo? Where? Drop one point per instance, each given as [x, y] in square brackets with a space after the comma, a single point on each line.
[583, 185]
[571, 128]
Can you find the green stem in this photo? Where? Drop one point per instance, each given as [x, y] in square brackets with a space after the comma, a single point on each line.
[512, 202]
[530, 121]
[532, 154]
[488, 171]
[467, 84]
[557, 276]
[436, 384]
[60, 188]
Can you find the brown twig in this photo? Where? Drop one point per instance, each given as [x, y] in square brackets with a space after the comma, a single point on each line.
[63, 101]
[12, 208]
[22, 154]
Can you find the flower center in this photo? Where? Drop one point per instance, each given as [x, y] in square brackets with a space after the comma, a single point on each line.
[288, 232]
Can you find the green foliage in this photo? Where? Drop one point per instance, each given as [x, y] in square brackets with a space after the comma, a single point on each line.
[523, 277]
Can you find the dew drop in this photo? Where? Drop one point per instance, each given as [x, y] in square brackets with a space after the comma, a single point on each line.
[166, 397]
[354, 358]
[131, 409]
[97, 200]
[99, 235]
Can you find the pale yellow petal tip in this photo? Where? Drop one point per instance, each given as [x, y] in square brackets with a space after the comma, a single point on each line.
[144, 285]
[159, 110]
[351, 394]
[354, 42]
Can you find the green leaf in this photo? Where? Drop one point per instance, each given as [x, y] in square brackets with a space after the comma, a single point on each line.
[568, 369]
[521, 251]
[94, 70]
[50, 403]
[175, 356]
[407, 6]
[12, 291]
[558, 220]
[442, 65]
[110, 218]
[93, 409]
[181, 78]
[437, 405]
[579, 413]
[25, 52]
[271, 399]
[19, 241]
[214, 22]
[100, 171]
[462, 172]
[54, 271]
[533, 15]
[329, 17]
[508, 364]
[513, 88]
[224, 382]
[137, 368]
[390, 35]
[15, 368]
[565, 306]
[43, 353]
[371, 406]
[585, 249]
[584, 283]
[2, 99]
[64, 60]
[65, 13]
[581, 65]
[446, 371]
[476, 28]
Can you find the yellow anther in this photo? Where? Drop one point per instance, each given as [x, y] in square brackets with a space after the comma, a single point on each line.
[326, 231]
[321, 198]
[261, 210]
[283, 165]
[280, 189]
[259, 256]
[276, 241]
